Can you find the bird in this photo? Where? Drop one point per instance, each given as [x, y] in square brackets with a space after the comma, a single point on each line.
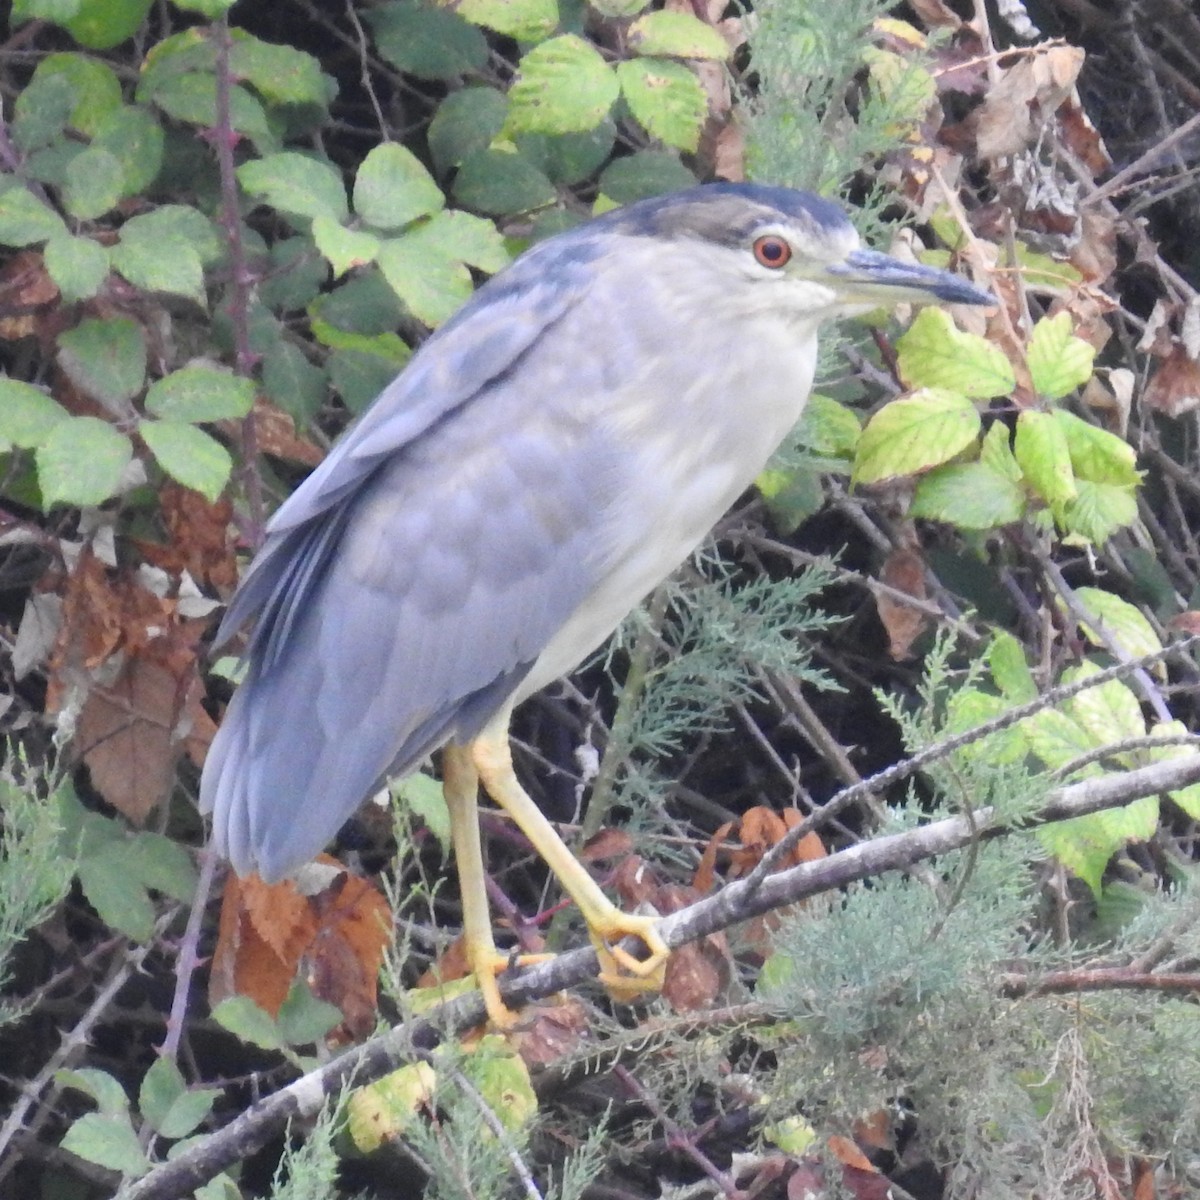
[541, 464]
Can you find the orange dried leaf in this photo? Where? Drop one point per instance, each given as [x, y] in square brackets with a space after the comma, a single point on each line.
[126, 735]
[904, 571]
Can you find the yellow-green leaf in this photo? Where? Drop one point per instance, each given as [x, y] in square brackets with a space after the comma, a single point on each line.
[915, 433]
[525, 20]
[968, 495]
[393, 187]
[562, 86]
[343, 248]
[1097, 454]
[1059, 362]
[1124, 623]
[933, 353]
[676, 35]
[1042, 452]
[666, 98]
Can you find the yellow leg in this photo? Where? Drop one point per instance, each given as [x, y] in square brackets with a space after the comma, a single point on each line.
[460, 784]
[624, 974]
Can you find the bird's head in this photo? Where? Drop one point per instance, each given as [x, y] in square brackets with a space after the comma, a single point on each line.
[780, 249]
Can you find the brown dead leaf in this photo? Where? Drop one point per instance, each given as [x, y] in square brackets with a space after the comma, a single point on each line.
[936, 14]
[1174, 388]
[1185, 622]
[607, 843]
[1026, 94]
[699, 972]
[1082, 138]
[1095, 254]
[277, 435]
[270, 933]
[904, 571]
[27, 299]
[757, 832]
[199, 540]
[848, 1153]
[876, 1131]
[126, 734]
[550, 1030]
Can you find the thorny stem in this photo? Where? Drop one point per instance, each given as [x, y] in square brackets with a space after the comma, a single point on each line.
[223, 139]
[678, 1137]
[188, 958]
[74, 1042]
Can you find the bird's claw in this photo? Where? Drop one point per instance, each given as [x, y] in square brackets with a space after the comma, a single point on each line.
[486, 968]
[625, 975]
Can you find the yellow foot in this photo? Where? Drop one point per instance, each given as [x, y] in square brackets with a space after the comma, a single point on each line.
[499, 1014]
[624, 975]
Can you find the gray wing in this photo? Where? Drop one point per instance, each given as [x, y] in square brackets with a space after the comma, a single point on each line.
[412, 581]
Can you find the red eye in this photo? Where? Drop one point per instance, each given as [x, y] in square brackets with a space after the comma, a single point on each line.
[772, 251]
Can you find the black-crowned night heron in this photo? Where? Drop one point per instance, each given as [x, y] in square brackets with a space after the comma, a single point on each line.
[546, 459]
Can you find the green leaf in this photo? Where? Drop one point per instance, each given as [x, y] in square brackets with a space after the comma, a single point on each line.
[94, 84]
[102, 24]
[423, 796]
[25, 219]
[189, 455]
[1058, 740]
[245, 1020]
[41, 112]
[1044, 457]
[78, 265]
[154, 258]
[99, 1085]
[343, 248]
[167, 1105]
[969, 496]
[280, 74]
[524, 20]
[644, 174]
[27, 414]
[1006, 661]
[1099, 510]
[1124, 623]
[292, 382]
[1085, 844]
[303, 1019]
[933, 353]
[828, 427]
[81, 462]
[502, 182]
[469, 239]
[212, 10]
[996, 452]
[296, 184]
[358, 376]
[192, 98]
[1097, 454]
[430, 43]
[1187, 798]
[677, 35]
[666, 98]
[393, 188]
[135, 139]
[1109, 712]
[915, 433]
[105, 358]
[562, 86]
[108, 875]
[200, 393]
[95, 182]
[162, 864]
[465, 123]
[162, 1085]
[1040, 271]
[432, 285]
[571, 158]
[1059, 362]
[425, 266]
[108, 1142]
